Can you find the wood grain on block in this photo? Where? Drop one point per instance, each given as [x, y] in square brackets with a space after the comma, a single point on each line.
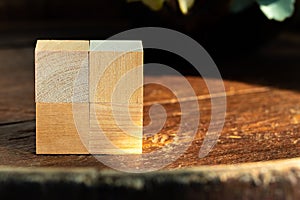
[56, 132]
[116, 134]
[110, 61]
[61, 71]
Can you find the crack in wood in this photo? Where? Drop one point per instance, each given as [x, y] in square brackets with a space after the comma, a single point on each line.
[16, 122]
[20, 138]
[209, 96]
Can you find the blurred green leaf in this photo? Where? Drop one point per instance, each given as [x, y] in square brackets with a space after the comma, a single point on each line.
[185, 5]
[153, 4]
[278, 10]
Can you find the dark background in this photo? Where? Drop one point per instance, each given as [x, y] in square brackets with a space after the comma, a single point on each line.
[245, 46]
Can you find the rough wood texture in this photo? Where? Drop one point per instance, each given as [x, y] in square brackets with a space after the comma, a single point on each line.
[61, 66]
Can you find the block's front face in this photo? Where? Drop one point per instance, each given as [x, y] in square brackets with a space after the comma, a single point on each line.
[116, 73]
[115, 129]
[112, 62]
[89, 97]
[56, 130]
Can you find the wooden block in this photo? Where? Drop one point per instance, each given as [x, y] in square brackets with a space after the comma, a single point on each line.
[109, 61]
[56, 132]
[116, 83]
[61, 78]
[108, 116]
[119, 134]
[61, 66]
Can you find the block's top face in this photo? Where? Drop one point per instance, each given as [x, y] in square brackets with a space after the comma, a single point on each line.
[62, 45]
[116, 45]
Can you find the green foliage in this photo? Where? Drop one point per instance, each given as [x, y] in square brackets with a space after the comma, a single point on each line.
[278, 10]
[273, 9]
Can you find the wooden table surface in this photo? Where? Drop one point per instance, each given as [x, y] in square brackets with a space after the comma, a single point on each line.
[262, 122]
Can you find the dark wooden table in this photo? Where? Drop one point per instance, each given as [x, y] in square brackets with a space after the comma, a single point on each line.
[262, 125]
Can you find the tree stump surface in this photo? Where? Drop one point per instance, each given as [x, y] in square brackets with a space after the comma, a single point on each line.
[255, 155]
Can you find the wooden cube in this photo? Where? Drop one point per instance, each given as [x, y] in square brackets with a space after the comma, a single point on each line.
[89, 97]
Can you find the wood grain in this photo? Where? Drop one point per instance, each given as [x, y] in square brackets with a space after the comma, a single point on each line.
[61, 71]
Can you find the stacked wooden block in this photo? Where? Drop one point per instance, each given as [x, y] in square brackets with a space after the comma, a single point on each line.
[89, 97]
